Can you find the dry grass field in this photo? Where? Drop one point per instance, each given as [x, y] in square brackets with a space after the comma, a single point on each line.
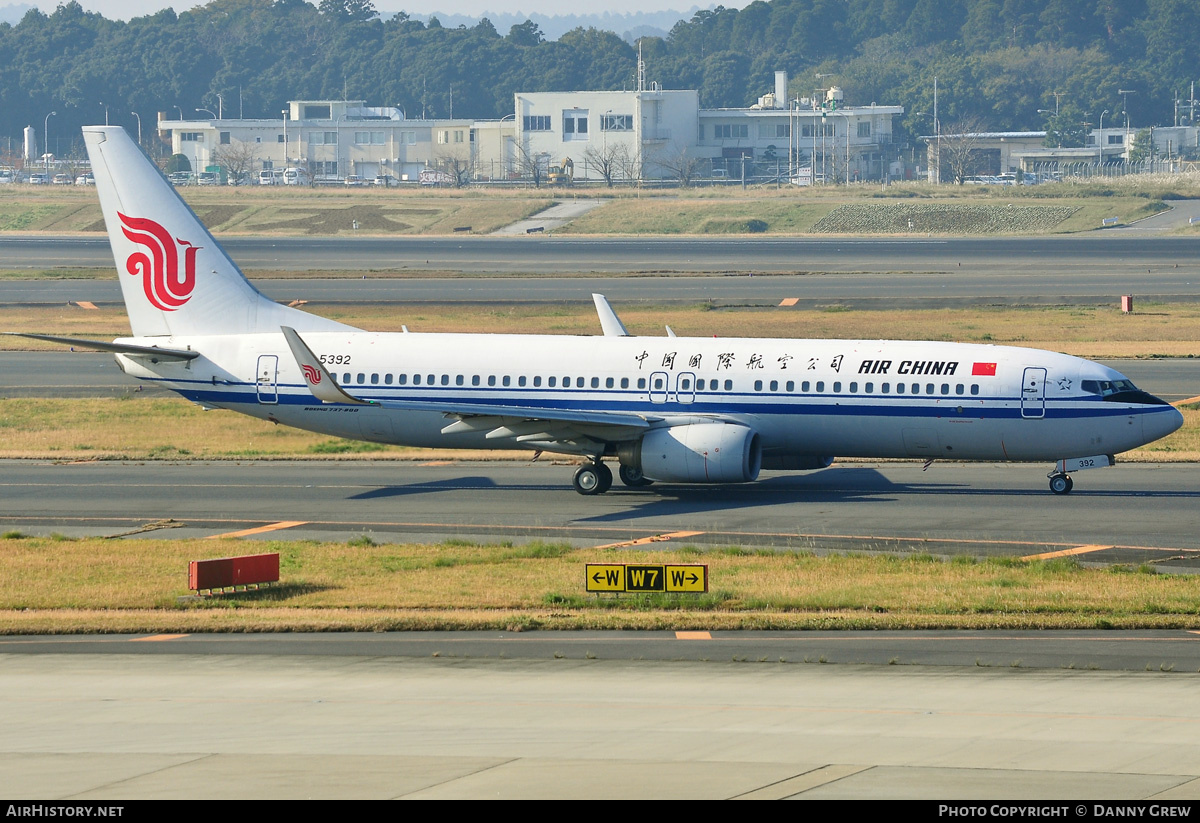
[94, 585]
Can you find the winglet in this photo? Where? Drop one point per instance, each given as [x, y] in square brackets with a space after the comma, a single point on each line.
[320, 382]
[609, 322]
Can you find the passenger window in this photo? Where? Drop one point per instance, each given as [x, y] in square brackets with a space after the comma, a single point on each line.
[609, 382]
[521, 380]
[820, 386]
[624, 382]
[474, 380]
[387, 379]
[459, 380]
[791, 386]
[362, 378]
[402, 379]
[445, 380]
[507, 381]
[916, 388]
[837, 387]
[758, 385]
[566, 382]
[552, 382]
[537, 380]
[854, 388]
[416, 379]
[685, 384]
[374, 379]
[929, 388]
[641, 382]
[899, 388]
[658, 383]
[958, 389]
[945, 388]
[886, 388]
[804, 386]
[869, 388]
[346, 377]
[974, 388]
[429, 379]
[728, 385]
[491, 379]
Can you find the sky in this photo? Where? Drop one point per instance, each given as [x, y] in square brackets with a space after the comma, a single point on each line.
[124, 9]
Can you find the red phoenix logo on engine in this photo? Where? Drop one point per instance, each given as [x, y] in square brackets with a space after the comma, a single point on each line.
[311, 374]
[166, 286]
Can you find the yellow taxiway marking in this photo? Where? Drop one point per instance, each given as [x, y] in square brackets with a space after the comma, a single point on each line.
[270, 527]
[693, 635]
[789, 301]
[1187, 402]
[1066, 552]
[156, 637]
[641, 541]
[86, 304]
[438, 463]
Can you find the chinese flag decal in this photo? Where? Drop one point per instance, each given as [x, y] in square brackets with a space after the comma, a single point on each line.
[983, 370]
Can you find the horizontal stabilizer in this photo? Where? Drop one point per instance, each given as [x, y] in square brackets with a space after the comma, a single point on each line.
[117, 348]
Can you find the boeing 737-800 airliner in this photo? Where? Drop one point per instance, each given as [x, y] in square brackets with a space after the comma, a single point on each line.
[672, 409]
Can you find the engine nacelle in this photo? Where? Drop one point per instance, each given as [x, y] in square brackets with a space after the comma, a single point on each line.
[697, 453]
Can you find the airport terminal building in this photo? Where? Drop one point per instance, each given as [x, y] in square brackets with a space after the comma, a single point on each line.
[643, 135]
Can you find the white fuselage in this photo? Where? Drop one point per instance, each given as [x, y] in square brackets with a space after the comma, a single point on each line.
[805, 398]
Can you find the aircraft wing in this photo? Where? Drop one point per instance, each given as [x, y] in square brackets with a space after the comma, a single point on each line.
[548, 427]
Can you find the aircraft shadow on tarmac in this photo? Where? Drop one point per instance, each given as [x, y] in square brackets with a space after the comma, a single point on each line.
[841, 484]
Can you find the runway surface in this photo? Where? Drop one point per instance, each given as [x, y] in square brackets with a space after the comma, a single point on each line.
[1131, 513]
[185, 721]
[860, 271]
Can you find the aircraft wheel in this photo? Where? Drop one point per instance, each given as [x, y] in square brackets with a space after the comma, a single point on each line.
[606, 477]
[633, 477]
[589, 478]
[1061, 484]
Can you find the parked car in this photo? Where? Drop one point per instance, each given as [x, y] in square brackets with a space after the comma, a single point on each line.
[207, 178]
[7, 176]
[62, 179]
[354, 180]
[385, 180]
[85, 179]
[180, 178]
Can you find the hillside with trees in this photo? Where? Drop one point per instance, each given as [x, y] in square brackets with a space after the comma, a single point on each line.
[1004, 64]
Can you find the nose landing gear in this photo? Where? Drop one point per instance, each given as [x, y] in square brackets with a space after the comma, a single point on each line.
[1061, 483]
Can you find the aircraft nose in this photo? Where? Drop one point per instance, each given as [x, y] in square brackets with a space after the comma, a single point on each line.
[1161, 423]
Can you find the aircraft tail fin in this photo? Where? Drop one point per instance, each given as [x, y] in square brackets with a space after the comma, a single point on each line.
[175, 278]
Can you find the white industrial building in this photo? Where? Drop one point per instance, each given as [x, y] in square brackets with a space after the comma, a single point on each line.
[639, 135]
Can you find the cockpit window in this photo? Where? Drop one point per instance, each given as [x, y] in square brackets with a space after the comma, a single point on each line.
[1106, 387]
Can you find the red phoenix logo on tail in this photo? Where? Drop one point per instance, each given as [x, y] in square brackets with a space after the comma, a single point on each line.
[311, 374]
[166, 287]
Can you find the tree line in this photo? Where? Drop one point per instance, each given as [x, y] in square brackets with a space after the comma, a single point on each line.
[1005, 64]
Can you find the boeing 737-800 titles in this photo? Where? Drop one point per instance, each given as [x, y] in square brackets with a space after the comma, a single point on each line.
[671, 409]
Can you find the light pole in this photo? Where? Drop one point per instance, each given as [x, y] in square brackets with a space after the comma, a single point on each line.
[102, 103]
[220, 107]
[46, 137]
[180, 111]
[210, 111]
[285, 145]
[139, 119]
[1100, 139]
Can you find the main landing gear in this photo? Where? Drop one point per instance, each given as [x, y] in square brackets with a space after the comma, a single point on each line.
[594, 477]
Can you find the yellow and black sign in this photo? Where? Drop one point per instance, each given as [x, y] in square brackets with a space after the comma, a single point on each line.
[616, 577]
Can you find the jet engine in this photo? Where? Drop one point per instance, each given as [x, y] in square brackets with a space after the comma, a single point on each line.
[696, 453]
